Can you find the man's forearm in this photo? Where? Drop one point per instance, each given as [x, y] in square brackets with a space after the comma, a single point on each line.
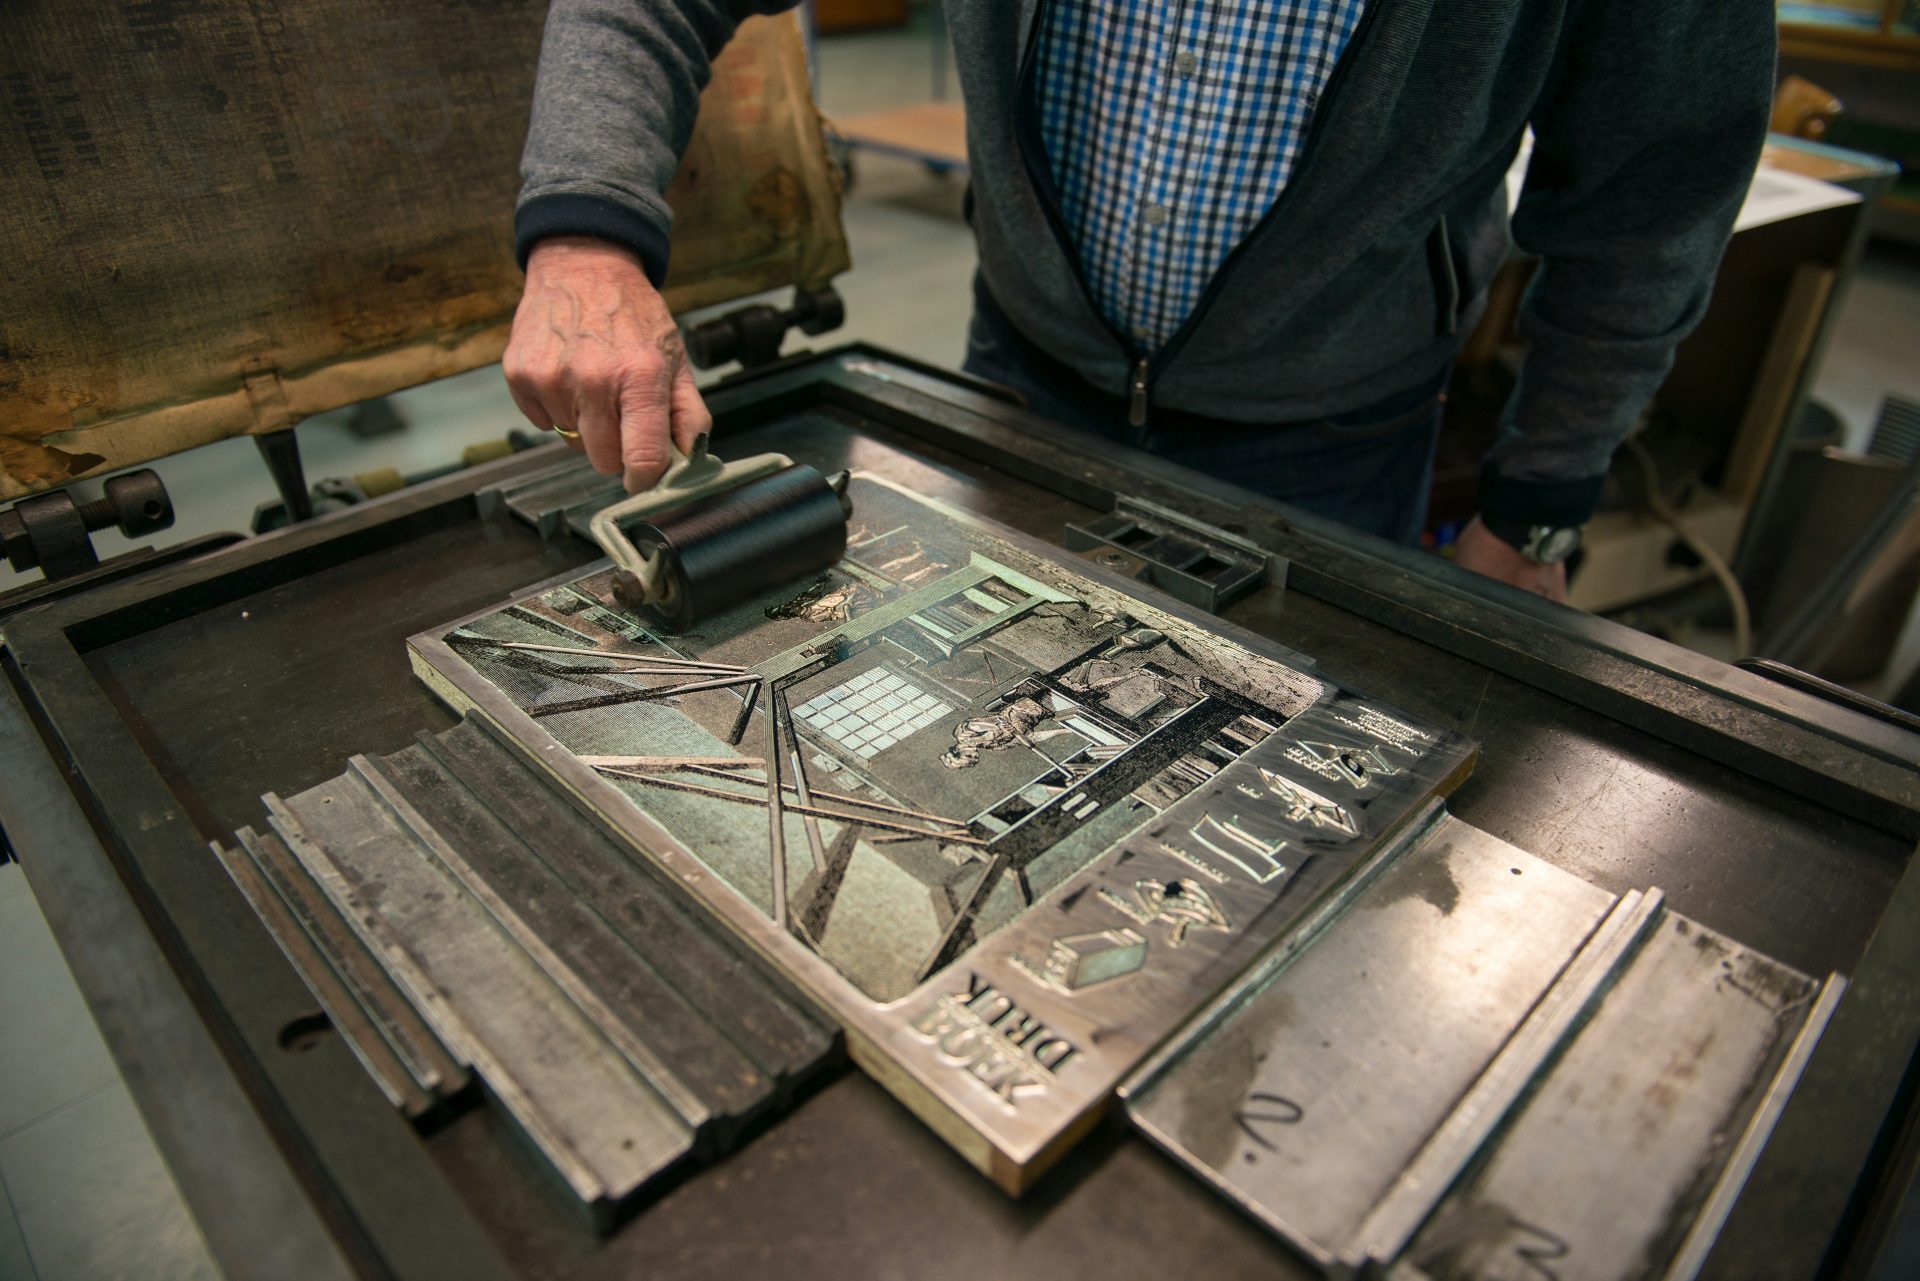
[594, 352]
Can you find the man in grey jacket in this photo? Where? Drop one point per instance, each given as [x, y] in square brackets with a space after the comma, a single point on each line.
[1248, 234]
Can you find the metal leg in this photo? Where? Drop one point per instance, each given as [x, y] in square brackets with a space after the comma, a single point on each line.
[939, 28]
[810, 36]
[281, 452]
[376, 417]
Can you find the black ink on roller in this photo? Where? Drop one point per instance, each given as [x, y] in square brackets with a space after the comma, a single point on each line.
[712, 535]
[729, 548]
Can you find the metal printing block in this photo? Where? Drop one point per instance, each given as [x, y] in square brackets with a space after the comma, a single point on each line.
[606, 1126]
[1590, 1075]
[1628, 1152]
[381, 1028]
[490, 916]
[1010, 824]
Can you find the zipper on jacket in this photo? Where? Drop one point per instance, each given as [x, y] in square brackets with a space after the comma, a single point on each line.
[1144, 369]
[1446, 280]
[1139, 388]
[1309, 150]
[1040, 174]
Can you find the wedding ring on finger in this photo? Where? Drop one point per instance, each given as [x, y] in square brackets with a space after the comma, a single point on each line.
[567, 432]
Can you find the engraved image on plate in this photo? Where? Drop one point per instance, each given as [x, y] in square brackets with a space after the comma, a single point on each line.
[882, 775]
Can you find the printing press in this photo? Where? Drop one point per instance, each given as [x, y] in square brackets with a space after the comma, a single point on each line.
[1084, 868]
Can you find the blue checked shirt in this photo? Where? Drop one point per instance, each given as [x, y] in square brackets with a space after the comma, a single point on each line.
[1171, 126]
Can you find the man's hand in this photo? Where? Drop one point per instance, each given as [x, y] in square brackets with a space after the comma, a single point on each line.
[1485, 552]
[595, 351]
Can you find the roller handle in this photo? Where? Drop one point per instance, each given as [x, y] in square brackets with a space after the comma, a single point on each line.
[687, 470]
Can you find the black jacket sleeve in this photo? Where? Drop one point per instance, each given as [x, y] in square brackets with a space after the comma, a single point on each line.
[1646, 141]
[613, 107]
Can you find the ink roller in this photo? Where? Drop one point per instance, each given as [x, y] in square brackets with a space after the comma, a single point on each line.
[713, 534]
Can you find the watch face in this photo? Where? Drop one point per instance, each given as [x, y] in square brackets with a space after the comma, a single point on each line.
[1551, 546]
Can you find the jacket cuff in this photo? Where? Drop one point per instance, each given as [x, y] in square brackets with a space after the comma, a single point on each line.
[1509, 501]
[564, 214]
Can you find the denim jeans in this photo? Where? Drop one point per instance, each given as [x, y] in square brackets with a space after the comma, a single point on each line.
[1371, 469]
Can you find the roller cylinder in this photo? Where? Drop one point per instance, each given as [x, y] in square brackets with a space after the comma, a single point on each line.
[727, 548]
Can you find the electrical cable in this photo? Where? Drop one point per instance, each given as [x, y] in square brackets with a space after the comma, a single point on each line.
[1662, 511]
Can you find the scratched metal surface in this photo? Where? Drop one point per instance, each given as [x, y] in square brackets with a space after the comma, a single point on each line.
[1590, 1077]
[1313, 1096]
[1601, 1171]
[850, 1184]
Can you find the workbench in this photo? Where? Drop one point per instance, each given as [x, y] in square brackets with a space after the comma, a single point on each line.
[143, 718]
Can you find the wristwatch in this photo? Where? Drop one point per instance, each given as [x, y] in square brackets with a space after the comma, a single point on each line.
[1542, 544]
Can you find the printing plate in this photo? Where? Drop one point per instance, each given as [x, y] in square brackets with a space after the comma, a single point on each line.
[1029, 822]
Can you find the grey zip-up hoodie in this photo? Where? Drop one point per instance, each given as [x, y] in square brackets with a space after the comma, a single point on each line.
[1648, 117]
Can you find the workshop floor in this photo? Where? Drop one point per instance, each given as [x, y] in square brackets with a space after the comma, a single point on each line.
[83, 1195]
[1870, 355]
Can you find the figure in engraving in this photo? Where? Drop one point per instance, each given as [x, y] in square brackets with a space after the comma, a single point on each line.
[1182, 906]
[1014, 725]
[1134, 639]
[822, 602]
[1097, 674]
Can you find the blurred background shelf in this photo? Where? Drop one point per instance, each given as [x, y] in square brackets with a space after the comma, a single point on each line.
[1851, 77]
[1871, 33]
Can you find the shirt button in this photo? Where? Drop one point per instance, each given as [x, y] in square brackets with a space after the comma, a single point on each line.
[1140, 331]
[1185, 63]
[1156, 215]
